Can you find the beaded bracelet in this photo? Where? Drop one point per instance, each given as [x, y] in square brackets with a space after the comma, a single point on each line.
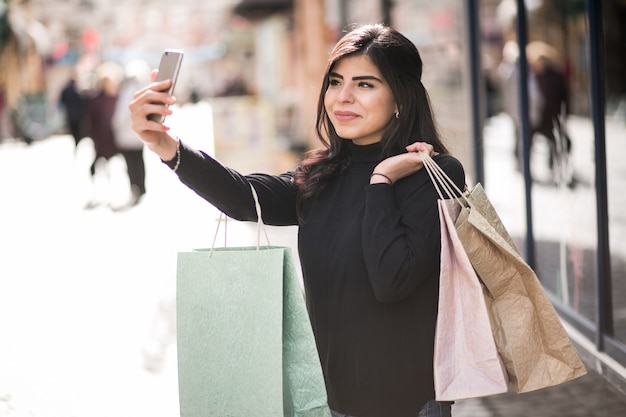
[382, 175]
[177, 156]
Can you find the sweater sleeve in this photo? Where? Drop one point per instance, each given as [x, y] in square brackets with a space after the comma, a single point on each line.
[230, 192]
[401, 232]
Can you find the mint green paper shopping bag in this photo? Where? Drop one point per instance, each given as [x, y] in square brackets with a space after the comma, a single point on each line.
[245, 344]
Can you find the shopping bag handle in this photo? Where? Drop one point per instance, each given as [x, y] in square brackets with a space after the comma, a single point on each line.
[446, 188]
[260, 224]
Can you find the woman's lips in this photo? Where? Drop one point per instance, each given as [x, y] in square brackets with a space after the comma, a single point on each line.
[345, 116]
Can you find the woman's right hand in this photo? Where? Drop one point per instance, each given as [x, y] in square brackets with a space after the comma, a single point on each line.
[399, 166]
[148, 100]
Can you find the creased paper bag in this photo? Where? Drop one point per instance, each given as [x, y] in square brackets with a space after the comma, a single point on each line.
[531, 340]
[466, 361]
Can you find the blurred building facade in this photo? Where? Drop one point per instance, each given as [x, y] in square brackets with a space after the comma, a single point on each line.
[259, 64]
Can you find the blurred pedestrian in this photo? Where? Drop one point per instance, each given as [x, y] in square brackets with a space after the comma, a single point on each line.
[508, 75]
[100, 107]
[136, 75]
[73, 103]
[369, 233]
[554, 90]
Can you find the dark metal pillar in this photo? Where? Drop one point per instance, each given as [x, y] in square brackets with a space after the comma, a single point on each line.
[525, 131]
[387, 5]
[477, 87]
[603, 257]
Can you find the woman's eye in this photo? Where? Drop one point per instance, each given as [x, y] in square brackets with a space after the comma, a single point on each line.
[334, 82]
[365, 85]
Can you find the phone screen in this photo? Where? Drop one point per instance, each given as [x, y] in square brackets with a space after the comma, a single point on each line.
[168, 70]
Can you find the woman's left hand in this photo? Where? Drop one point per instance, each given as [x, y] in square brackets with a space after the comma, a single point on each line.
[396, 167]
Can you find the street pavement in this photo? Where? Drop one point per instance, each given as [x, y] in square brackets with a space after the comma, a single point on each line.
[87, 295]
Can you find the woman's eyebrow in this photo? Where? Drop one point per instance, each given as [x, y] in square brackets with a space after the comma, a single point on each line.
[367, 77]
[357, 78]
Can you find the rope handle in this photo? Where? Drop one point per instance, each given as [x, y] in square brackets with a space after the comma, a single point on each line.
[260, 224]
[443, 183]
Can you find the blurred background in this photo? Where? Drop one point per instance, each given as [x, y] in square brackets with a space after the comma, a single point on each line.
[269, 55]
[541, 127]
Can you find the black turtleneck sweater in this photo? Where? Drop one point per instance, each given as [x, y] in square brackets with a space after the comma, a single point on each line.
[370, 262]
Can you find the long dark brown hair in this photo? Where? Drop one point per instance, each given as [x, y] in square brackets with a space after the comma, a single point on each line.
[399, 62]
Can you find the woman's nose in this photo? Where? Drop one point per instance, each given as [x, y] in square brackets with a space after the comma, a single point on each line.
[345, 94]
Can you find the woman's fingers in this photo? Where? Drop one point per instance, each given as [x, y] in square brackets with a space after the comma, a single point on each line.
[153, 108]
[151, 99]
[140, 121]
[155, 92]
[421, 147]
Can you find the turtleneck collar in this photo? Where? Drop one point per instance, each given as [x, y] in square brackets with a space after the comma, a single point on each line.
[366, 153]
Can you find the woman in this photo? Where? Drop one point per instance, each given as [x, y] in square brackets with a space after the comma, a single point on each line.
[99, 112]
[369, 237]
[136, 74]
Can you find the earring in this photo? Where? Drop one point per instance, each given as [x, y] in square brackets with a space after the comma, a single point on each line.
[397, 115]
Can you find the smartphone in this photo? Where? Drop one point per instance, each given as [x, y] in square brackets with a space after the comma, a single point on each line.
[169, 67]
